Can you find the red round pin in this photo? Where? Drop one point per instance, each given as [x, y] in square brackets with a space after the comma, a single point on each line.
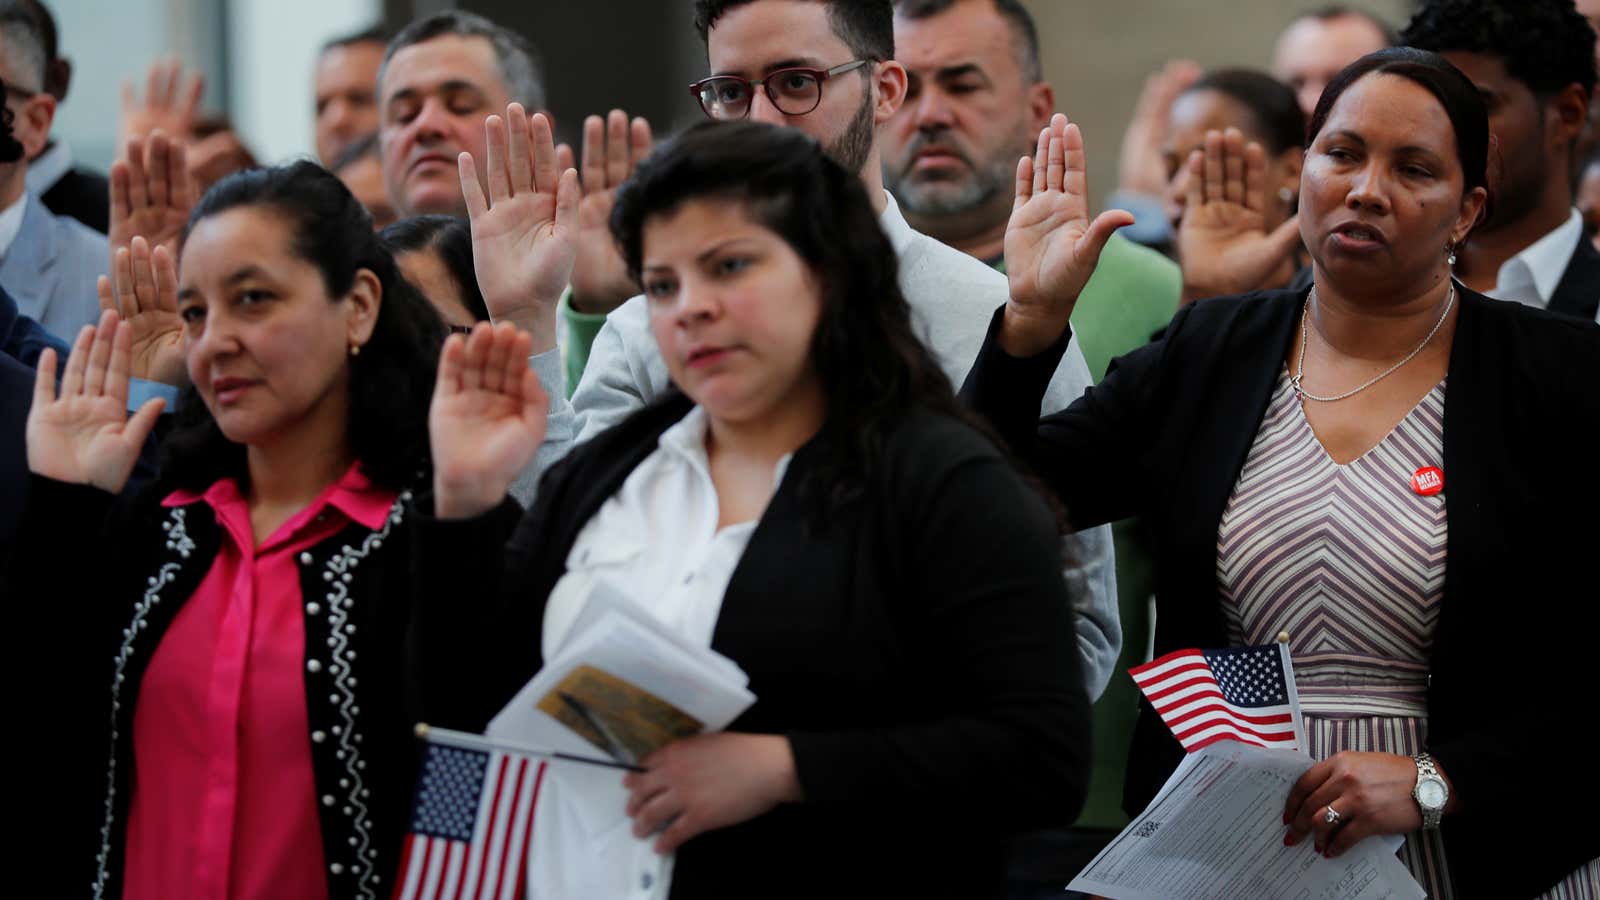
[1427, 481]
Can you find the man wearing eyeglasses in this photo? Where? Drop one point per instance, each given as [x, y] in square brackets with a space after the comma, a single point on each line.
[49, 263]
[827, 68]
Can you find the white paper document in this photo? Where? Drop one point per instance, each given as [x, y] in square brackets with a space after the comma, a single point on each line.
[1216, 831]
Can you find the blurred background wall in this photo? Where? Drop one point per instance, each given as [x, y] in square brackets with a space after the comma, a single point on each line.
[635, 54]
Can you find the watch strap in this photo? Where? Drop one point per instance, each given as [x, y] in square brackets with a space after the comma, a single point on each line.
[1427, 770]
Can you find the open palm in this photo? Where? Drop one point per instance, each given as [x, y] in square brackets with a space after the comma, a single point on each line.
[487, 418]
[1223, 242]
[151, 193]
[145, 296]
[612, 149]
[524, 232]
[84, 434]
[1051, 245]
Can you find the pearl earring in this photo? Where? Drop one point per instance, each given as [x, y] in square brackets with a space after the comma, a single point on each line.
[355, 349]
[1450, 254]
[1286, 195]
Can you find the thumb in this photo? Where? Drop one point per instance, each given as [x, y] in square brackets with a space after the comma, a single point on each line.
[1100, 231]
[143, 421]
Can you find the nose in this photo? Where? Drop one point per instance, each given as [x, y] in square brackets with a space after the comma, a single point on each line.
[763, 110]
[216, 339]
[696, 303]
[932, 110]
[1369, 189]
[432, 122]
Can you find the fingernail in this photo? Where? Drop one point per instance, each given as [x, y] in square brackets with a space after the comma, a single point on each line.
[1289, 840]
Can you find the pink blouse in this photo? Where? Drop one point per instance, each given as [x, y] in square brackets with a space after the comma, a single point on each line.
[224, 801]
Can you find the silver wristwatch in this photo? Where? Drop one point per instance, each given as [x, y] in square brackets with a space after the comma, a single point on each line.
[1431, 792]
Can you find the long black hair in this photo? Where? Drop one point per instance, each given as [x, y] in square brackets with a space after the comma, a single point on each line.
[451, 238]
[391, 381]
[873, 368]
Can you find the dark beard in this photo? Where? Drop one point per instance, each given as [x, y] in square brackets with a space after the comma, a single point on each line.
[853, 147]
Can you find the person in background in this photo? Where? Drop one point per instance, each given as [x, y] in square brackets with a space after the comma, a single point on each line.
[437, 80]
[1589, 197]
[1288, 449]
[345, 92]
[257, 599]
[749, 40]
[66, 189]
[918, 697]
[48, 263]
[1534, 62]
[1317, 45]
[435, 254]
[360, 167]
[975, 100]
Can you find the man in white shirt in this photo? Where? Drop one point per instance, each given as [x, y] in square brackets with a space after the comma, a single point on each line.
[1534, 63]
[952, 295]
[48, 263]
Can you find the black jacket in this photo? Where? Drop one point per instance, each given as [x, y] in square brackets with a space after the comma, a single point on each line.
[94, 586]
[1165, 435]
[83, 195]
[1578, 291]
[918, 653]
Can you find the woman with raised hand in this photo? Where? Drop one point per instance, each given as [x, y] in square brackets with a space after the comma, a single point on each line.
[251, 736]
[813, 503]
[1372, 465]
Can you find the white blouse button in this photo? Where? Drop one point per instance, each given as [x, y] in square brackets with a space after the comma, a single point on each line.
[312, 609]
[327, 800]
[336, 869]
[313, 666]
[318, 737]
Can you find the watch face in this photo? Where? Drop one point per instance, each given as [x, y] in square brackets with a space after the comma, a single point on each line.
[1430, 793]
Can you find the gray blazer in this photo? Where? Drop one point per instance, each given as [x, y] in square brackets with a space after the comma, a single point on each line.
[51, 269]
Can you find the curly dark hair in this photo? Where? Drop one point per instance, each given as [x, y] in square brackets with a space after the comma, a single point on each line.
[874, 370]
[391, 382]
[866, 26]
[1545, 44]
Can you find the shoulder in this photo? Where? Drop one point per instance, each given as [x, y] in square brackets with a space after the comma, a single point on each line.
[932, 265]
[74, 237]
[1235, 317]
[1556, 345]
[925, 448]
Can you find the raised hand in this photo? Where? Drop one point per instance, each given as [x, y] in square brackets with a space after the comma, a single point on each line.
[144, 293]
[524, 233]
[1142, 168]
[151, 193]
[612, 149]
[1051, 245]
[1223, 242]
[84, 435]
[170, 103]
[486, 421]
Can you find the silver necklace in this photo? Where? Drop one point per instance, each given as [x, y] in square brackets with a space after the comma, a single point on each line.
[1305, 329]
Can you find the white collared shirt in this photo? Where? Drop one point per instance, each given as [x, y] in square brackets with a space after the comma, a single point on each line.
[657, 540]
[11, 223]
[1533, 275]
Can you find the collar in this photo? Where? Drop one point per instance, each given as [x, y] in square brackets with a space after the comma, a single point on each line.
[11, 223]
[353, 494]
[1544, 260]
[49, 167]
[686, 439]
[894, 224]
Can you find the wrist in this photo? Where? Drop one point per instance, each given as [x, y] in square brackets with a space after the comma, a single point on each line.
[457, 501]
[1024, 333]
[783, 779]
[537, 319]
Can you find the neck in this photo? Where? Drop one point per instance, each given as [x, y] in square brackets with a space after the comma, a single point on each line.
[767, 439]
[289, 471]
[872, 180]
[13, 181]
[1360, 326]
[982, 236]
[1478, 263]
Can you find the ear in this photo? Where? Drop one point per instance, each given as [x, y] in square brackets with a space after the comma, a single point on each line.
[1472, 209]
[1293, 161]
[33, 123]
[890, 81]
[1566, 114]
[1041, 105]
[362, 302]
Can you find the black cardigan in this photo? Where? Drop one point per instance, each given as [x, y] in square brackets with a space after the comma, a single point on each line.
[1164, 437]
[918, 653]
[93, 587]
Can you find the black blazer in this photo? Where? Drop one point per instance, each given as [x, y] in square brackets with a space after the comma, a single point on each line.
[93, 587]
[1578, 291]
[83, 195]
[1165, 435]
[918, 653]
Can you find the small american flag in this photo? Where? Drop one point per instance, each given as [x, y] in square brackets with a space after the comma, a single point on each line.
[470, 825]
[1238, 694]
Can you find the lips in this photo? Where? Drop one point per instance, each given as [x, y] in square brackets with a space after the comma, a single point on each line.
[1360, 234]
[427, 158]
[230, 390]
[705, 356]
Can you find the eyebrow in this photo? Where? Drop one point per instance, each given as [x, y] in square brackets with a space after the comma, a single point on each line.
[797, 62]
[950, 73]
[454, 84]
[1407, 148]
[703, 255]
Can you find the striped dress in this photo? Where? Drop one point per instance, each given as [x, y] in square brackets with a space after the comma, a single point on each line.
[1350, 561]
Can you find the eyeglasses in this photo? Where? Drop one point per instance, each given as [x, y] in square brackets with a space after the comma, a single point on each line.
[459, 329]
[794, 91]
